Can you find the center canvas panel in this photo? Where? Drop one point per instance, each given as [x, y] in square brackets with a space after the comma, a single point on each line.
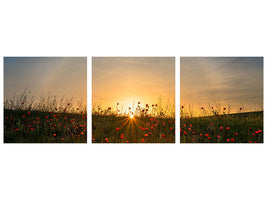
[133, 100]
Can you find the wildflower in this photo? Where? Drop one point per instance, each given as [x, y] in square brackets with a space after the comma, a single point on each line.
[142, 140]
[235, 133]
[163, 136]
[109, 108]
[170, 128]
[232, 139]
[117, 129]
[227, 128]
[224, 108]
[185, 132]
[211, 124]
[227, 140]
[208, 138]
[55, 135]
[206, 135]
[146, 135]
[218, 136]
[221, 128]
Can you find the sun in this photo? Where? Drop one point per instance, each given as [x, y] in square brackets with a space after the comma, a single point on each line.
[131, 116]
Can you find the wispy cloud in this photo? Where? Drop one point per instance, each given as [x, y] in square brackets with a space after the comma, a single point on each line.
[54, 75]
[133, 78]
[231, 81]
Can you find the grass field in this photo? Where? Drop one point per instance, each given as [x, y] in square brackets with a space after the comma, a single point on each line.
[44, 120]
[29, 126]
[109, 127]
[243, 127]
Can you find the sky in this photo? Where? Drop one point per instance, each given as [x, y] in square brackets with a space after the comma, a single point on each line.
[60, 76]
[127, 80]
[229, 81]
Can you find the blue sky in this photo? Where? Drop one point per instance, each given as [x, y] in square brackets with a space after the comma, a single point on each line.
[229, 81]
[46, 75]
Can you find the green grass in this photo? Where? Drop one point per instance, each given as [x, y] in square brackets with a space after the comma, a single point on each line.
[32, 126]
[145, 129]
[225, 128]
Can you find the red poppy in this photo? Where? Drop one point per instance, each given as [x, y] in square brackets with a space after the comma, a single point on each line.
[218, 136]
[117, 129]
[221, 128]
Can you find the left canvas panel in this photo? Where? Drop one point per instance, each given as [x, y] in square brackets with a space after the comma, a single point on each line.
[45, 99]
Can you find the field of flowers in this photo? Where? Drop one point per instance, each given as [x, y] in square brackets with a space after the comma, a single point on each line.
[139, 125]
[44, 122]
[221, 126]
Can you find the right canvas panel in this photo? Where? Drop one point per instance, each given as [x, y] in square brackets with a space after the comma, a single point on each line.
[221, 100]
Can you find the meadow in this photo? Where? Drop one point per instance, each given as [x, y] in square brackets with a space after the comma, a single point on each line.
[46, 120]
[220, 126]
[140, 124]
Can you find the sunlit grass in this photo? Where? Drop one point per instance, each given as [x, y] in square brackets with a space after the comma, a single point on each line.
[218, 125]
[141, 124]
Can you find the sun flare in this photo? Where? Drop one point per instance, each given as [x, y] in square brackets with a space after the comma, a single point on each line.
[131, 116]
